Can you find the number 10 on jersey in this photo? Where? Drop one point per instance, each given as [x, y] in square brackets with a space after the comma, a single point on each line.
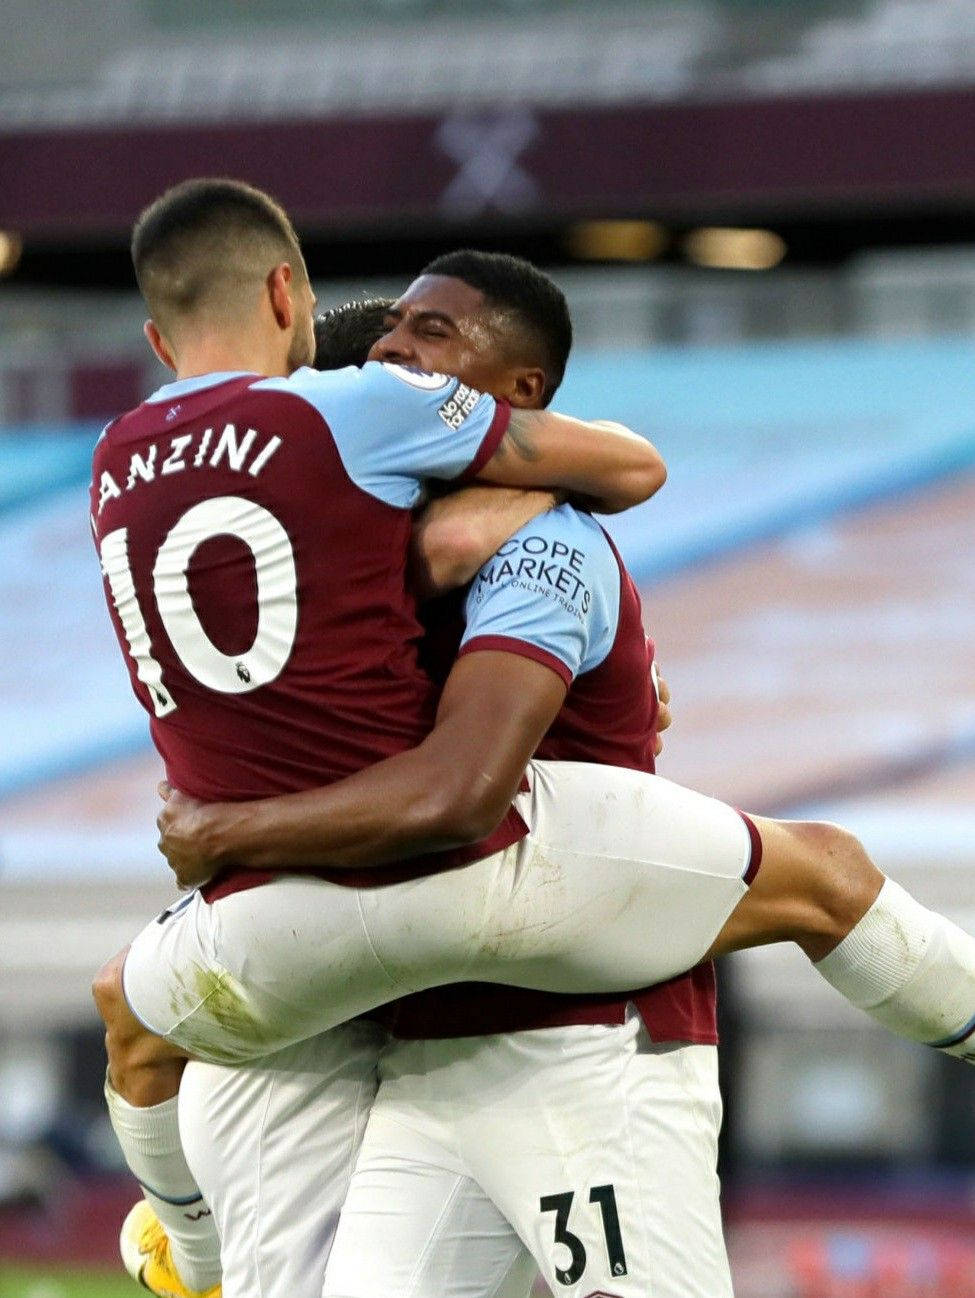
[277, 599]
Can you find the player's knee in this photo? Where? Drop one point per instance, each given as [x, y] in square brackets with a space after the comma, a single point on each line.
[125, 1037]
[815, 882]
[106, 988]
[836, 853]
[143, 1069]
[842, 881]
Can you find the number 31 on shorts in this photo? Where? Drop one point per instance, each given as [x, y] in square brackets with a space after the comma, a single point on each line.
[604, 1199]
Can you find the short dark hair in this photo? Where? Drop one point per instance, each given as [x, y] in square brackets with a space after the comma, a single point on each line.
[205, 238]
[344, 334]
[514, 284]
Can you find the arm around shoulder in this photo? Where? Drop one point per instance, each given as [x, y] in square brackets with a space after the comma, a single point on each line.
[613, 467]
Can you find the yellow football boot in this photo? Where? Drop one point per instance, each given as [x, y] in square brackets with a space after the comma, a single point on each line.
[146, 1254]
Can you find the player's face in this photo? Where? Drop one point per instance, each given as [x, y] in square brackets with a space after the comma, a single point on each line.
[443, 325]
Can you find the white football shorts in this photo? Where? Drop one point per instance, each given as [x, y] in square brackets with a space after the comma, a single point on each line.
[590, 1150]
[272, 1147]
[624, 880]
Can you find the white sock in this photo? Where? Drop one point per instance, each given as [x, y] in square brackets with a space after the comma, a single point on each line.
[912, 970]
[150, 1142]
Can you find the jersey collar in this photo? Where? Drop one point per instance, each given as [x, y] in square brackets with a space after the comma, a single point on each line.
[184, 387]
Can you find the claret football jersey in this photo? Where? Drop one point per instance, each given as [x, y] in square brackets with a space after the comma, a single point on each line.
[253, 535]
[557, 592]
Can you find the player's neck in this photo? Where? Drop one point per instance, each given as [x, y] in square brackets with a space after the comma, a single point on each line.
[216, 353]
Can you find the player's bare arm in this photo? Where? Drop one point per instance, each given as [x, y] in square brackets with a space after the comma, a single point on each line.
[454, 535]
[608, 464]
[453, 788]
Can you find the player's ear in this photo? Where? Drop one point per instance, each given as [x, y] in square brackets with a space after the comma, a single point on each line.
[159, 344]
[280, 290]
[526, 388]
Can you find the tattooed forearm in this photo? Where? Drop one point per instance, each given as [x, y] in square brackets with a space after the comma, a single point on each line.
[522, 427]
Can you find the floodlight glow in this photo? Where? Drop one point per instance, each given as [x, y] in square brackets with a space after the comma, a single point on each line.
[734, 249]
[11, 246]
[617, 240]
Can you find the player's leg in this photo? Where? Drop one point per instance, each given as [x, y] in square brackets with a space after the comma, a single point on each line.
[599, 1147]
[586, 903]
[140, 1090]
[256, 971]
[624, 880]
[814, 883]
[416, 1225]
[272, 1147]
[145, 1068]
[910, 968]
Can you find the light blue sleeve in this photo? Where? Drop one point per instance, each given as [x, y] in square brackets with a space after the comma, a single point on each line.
[396, 427]
[555, 587]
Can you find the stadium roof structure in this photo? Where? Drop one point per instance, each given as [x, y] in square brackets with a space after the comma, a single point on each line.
[361, 117]
[779, 157]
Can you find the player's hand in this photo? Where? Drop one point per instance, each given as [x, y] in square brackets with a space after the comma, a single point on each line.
[182, 840]
[664, 717]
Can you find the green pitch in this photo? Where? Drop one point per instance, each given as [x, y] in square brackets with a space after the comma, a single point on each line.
[42, 1282]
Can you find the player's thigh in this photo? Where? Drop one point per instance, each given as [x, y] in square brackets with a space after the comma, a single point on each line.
[256, 971]
[601, 1149]
[624, 880]
[414, 1225]
[272, 1148]
[653, 868]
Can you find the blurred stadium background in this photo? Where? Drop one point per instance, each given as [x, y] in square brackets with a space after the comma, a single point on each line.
[763, 214]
